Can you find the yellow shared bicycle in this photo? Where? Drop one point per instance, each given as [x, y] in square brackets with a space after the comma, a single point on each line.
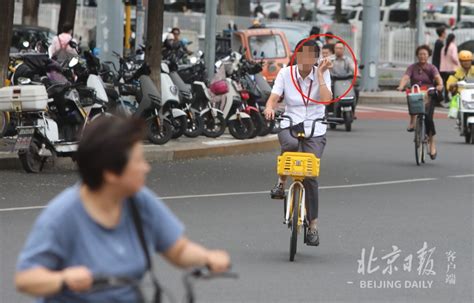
[298, 165]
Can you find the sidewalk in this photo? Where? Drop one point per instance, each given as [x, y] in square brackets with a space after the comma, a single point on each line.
[383, 97]
[179, 149]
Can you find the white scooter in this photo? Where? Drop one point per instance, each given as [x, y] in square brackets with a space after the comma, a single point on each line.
[170, 108]
[466, 111]
[239, 123]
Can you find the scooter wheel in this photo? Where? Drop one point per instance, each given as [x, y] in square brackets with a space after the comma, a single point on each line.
[194, 126]
[159, 131]
[179, 126]
[213, 126]
[30, 159]
[268, 126]
[241, 128]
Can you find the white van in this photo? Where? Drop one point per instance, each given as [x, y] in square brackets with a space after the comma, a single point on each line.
[391, 16]
[449, 13]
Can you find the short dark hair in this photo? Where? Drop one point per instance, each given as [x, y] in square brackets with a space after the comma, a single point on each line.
[425, 47]
[105, 146]
[310, 42]
[66, 27]
[339, 42]
[315, 30]
[441, 30]
[330, 47]
[176, 29]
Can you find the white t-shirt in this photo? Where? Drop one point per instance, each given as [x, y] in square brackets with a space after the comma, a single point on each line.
[294, 105]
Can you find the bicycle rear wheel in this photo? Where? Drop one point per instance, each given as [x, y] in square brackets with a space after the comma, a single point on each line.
[418, 139]
[296, 201]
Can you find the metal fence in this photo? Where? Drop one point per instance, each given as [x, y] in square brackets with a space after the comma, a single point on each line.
[397, 46]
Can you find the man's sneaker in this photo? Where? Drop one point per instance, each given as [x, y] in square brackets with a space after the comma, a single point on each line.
[277, 192]
[312, 237]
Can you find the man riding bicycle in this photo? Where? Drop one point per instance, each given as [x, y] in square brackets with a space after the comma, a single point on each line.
[314, 82]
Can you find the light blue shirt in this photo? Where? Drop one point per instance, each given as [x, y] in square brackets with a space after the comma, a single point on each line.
[64, 235]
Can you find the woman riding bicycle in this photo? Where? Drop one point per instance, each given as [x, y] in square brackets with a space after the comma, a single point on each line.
[315, 82]
[91, 228]
[425, 75]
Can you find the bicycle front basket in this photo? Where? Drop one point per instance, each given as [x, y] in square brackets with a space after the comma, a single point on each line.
[297, 164]
[416, 104]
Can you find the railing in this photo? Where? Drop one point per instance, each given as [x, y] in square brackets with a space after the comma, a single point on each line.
[397, 46]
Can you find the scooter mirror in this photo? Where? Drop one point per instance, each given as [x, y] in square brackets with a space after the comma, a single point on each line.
[262, 55]
[73, 62]
[255, 53]
[200, 54]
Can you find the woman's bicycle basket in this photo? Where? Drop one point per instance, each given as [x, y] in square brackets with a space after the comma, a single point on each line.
[416, 105]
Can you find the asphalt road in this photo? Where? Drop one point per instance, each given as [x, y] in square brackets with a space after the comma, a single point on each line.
[372, 195]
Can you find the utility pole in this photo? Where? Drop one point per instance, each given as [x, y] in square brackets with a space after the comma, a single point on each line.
[458, 19]
[139, 31]
[6, 33]
[420, 28]
[110, 29]
[370, 45]
[210, 48]
[315, 11]
[282, 9]
[128, 26]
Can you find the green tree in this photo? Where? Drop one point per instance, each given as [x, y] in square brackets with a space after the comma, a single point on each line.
[6, 29]
[153, 39]
[30, 12]
[67, 14]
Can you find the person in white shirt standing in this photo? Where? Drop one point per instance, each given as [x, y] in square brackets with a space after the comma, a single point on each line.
[315, 82]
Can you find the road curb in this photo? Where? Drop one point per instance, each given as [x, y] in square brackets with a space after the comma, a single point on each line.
[157, 153]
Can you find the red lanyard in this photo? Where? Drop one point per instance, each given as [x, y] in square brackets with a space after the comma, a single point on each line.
[305, 102]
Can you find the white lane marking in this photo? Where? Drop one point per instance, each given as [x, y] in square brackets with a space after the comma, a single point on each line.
[21, 208]
[382, 109]
[378, 183]
[461, 176]
[350, 282]
[254, 192]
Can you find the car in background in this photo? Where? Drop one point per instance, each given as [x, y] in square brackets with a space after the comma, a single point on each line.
[467, 45]
[464, 24]
[266, 45]
[32, 35]
[448, 13]
[392, 16]
[178, 6]
[294, 32]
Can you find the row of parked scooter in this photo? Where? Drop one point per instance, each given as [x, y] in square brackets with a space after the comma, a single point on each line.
[50, 103]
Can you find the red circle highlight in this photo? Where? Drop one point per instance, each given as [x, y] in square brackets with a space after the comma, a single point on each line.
[354, 79]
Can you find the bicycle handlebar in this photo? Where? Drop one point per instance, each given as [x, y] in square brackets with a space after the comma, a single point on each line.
[206, 273]
[300, 126]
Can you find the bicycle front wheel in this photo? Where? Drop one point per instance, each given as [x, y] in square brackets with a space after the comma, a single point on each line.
[418, 139]
[296, 202]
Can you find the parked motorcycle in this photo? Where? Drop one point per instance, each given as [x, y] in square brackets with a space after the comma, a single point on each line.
[229, 94]
[466, 110]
